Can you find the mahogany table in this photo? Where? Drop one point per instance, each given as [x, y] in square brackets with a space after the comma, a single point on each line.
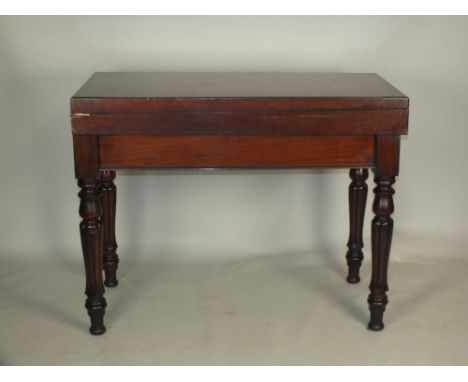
[236, 120]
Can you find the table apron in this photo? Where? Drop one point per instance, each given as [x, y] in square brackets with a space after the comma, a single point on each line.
[234, 151]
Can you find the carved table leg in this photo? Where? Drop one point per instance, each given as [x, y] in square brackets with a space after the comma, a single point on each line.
[108, 200]
[357, 208]
[382, 229]
[91, 242]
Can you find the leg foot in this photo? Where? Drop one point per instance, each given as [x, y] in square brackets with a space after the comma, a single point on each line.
[357, 208]
[377, 327]
[377, 309]
[353, 278]
[96, 314]
[111, 280]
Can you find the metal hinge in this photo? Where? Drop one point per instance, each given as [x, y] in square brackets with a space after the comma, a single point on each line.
[80, 115]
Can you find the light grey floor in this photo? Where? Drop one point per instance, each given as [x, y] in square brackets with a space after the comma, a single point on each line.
[249, 311]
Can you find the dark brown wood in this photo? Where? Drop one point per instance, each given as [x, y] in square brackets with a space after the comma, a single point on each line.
[341, 90]
[108, 201]
[120, 106]
[382, 229]
[387, 154]
[238, 104]
[210, 151]
[85, 149]
[320, 122]
[91, 242]
[357, 208]
[236, 120]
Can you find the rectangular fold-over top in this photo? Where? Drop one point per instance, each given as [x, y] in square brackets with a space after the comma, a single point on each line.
[145, 92]
[238, 104]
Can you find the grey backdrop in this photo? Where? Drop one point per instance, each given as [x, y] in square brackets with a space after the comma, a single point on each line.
[203, 215]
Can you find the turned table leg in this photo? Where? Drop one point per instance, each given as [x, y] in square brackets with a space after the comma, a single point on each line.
[108, 201]
[382, 229]
[357, 208]
[91, 242]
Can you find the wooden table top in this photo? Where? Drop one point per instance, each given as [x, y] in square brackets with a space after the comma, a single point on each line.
[238, 103]
[326, 90]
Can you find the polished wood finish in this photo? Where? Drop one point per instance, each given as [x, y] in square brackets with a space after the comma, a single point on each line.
[317, 122]
[236, 120]
[91, 242]
[382, 229]
[238, 104]
[211, 151]
[357, 208]
[344, 89]
[387, 154]
[86, 152]
[120, 106]
[108, 201]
